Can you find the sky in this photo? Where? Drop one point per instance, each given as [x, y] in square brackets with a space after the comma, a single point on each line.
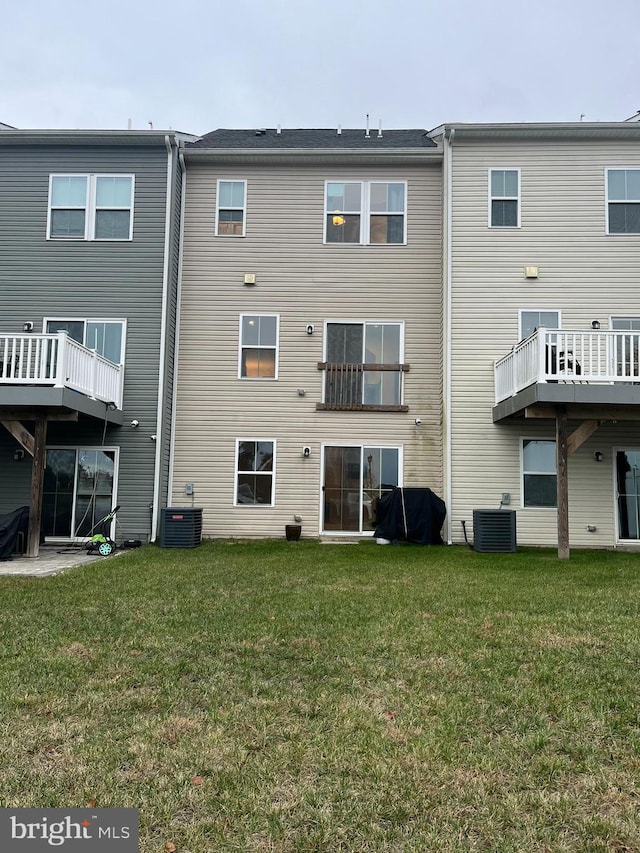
[195, 66]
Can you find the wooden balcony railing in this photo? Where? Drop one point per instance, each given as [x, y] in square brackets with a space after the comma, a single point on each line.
[556, 355]
[363, 387]
[58, 361]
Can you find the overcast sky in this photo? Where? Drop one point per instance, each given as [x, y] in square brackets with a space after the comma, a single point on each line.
[195, 66]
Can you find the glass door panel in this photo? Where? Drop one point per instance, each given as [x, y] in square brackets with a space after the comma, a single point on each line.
[628, 493]
[342, 488]
[57, 492]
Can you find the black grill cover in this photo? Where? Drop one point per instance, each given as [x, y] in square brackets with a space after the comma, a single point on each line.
[10, 526]
[411, 515]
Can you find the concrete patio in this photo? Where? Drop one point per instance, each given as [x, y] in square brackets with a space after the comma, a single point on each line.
[52, 560]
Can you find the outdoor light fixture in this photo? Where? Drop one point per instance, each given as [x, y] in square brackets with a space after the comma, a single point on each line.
[306, 452]
[598, 457]
[27, 327]
[135, 423]
[595, 324]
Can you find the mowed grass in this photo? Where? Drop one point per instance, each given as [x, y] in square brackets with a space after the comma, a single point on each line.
[280, 696]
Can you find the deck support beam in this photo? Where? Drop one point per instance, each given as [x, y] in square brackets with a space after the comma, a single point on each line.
[37, 482]
[562, 483]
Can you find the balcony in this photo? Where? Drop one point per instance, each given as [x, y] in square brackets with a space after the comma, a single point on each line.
[552, 366]
[363, 387]
[31, 363]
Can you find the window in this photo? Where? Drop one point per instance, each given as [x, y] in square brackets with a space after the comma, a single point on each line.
[363, 366]
[230, 210]
[105, 336]
[90, 207]
[254, 472]
[530, 320]
[370, 212]
[623, 201]
[627, 347]
[539, 472]
[504, 198]
[258, 346]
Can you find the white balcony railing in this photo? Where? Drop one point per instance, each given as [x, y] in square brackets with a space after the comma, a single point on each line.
[555, 355]
[58, 361]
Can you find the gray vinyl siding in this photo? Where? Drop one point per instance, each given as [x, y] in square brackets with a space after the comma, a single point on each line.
[121, 280]
[304, 282]
[583, 272]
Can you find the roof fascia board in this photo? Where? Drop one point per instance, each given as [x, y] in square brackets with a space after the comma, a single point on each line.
[91, 137]
[316, 155]
[534, 130]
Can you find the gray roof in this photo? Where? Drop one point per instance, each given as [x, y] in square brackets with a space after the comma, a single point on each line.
[270, 138]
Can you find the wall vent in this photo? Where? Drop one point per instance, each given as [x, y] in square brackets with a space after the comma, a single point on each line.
[494, 530]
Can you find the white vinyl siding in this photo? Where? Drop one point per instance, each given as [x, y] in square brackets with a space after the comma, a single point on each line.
[584, 276]
[305, 282]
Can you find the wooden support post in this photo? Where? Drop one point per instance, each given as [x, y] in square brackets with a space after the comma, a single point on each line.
[37, 482]
[562, 483]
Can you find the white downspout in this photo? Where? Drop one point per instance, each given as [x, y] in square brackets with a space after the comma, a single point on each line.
[163, 340]
[447, 299]
[174, 401]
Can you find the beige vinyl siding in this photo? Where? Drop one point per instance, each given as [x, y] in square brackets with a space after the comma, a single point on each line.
[304, 282]
[583, 273]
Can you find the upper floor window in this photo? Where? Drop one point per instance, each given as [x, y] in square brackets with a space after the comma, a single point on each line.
[258, 346]
[504, 198]
[255, 472]
[363, 366]
[366, 212]
[623, 201]
[230, 208]
[532, 319]
[90, 207]
[107, 337]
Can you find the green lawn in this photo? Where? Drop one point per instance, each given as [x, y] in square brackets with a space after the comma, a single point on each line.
[281, 696]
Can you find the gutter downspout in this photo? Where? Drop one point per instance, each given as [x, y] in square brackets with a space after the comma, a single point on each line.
[447, 300]
[174, 396]
[163, 340]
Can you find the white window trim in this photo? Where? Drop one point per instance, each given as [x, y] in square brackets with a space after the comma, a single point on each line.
[352, 322]
[85, 320]
[243, 208]
[235, 474]
[524, 438]
[522, 311]
[114, 497]
[365, 211]
[517, 198]
[241, 347]
[90, 207]
[361, 446]
[608, 201]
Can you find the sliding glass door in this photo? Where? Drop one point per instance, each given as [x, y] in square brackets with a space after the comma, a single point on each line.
[79, 488]
[355, 478]
[628, 493]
